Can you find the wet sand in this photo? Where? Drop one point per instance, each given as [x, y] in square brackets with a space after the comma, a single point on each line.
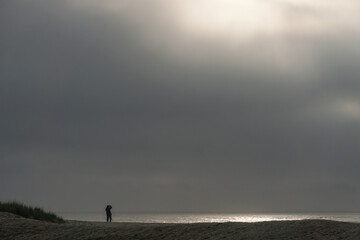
[15, 227]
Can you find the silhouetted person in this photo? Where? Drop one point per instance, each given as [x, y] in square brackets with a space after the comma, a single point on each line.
[108, 213]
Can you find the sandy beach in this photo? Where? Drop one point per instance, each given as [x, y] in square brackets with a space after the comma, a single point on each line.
[15, 227]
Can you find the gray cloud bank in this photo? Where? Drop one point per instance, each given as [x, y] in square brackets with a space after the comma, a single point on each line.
[103, 102]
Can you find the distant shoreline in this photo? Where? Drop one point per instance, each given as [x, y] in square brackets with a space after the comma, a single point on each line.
[17, 228]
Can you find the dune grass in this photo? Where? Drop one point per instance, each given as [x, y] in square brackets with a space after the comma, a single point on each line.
[29, 212]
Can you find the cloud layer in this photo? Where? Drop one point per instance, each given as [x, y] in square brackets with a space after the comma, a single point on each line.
[137, 104]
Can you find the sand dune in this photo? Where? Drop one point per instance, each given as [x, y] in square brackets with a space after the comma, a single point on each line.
[14, 227]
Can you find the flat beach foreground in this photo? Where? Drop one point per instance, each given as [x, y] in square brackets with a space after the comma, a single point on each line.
[15, 227]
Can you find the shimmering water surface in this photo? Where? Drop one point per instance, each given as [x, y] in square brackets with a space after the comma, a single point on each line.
[197, 218]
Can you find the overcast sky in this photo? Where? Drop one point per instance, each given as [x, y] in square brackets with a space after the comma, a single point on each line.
[183, 105]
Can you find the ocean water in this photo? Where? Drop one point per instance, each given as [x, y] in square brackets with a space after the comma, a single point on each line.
[217, 218]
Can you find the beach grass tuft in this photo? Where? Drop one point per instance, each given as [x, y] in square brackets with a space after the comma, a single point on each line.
[30, 212]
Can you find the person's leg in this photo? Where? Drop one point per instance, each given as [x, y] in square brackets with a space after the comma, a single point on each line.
[107, 218]
[110, 218]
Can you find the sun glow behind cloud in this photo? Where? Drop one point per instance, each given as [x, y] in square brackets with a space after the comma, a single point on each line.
[236, 15]
[229, 18]
[232, 21]
[244, 19]
[278, 35]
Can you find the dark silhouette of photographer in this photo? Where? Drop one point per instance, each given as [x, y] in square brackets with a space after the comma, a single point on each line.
[108, 213]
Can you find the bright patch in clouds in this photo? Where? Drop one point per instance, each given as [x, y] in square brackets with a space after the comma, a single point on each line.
[231, 21]
[337, 109]
[246, 18]
[349, 108]
[229, 17]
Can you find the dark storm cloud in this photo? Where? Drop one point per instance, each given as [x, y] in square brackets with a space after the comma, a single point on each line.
[108, 102]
